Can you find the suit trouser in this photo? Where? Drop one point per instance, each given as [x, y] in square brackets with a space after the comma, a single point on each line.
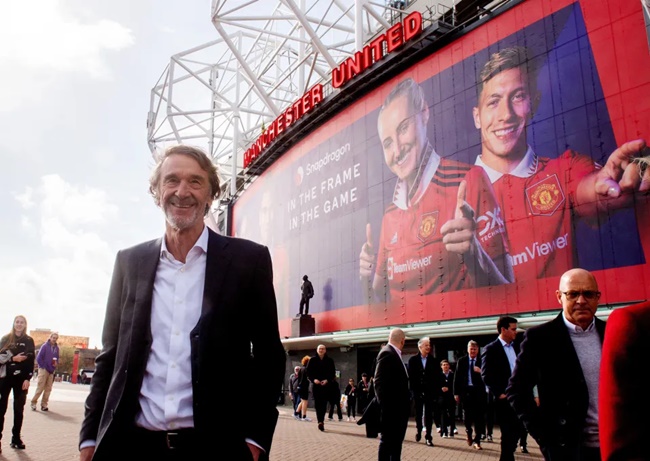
[321, 398]
[45, 381]
[474, 402]
[424, 411]
[392, 437]
[447, 415]
[510, 428]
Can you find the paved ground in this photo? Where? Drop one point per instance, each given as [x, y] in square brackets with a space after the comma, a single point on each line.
[53, 436]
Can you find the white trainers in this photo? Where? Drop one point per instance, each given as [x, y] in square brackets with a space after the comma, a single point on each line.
[306, 418]
[348, 419]
[33, 407]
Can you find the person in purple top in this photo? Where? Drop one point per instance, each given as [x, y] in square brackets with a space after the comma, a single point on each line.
[47, 360]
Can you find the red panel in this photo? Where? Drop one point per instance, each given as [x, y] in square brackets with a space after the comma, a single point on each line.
[618, 40]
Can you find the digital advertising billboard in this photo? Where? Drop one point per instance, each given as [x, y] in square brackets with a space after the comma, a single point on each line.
[466, 185]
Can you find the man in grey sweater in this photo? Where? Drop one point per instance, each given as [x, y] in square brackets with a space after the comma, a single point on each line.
[562, 358]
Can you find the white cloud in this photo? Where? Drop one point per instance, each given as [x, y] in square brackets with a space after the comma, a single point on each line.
[39, 42]
[42, 36]
[66, 288]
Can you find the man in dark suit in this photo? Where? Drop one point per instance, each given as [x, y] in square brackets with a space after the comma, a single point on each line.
[422, 371]
[469, 390]
[623, 402]
[321, 372]
[498, 359]
[391, 384]
[562, 358]
[181, 311]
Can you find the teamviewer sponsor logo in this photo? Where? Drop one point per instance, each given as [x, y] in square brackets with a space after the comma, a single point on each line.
[539, 249]
[411, 264]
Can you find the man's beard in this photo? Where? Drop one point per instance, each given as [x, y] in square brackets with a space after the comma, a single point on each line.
[180, 223]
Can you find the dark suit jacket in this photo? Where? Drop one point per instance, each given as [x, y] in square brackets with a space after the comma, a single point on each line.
[623, 401]
[495, 368]
[421, 379]
[237, 330]
[549, 360]
[460, 377]
[441, 381]
[392, 390]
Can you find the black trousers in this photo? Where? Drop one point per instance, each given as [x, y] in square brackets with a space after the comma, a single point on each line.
[424, 415]
[474, 402]
[15, 385]
[510, 426]
[180, 445]
[321, 398]
[391, 440]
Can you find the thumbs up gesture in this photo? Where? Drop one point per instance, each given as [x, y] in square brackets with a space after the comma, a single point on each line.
[367, 256]
[459, 234]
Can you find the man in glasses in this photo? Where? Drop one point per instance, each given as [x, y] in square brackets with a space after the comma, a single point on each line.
[443, 231]
[565, 424]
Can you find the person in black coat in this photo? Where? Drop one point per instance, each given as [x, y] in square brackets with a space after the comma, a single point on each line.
[392, 393]
[562, 358]
[444, 384]
[321, 372]
[499, 358]
[17, 355]
[422, 371]
[469, 389]
[152, 332]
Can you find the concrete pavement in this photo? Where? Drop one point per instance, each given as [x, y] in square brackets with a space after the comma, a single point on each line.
[53, 436]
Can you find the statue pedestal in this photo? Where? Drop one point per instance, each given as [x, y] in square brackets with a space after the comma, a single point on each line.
[305, 325]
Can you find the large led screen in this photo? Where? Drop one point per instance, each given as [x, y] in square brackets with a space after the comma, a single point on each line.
[465, 186]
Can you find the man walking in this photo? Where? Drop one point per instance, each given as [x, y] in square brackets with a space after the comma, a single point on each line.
[565, 424]
[469, 390]
[321, 371]
[498, 362]
[47, 360]
[422, 371]
[392, 393]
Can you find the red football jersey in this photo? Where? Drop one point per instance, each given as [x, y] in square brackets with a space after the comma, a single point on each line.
[537, 212]
[412, 256]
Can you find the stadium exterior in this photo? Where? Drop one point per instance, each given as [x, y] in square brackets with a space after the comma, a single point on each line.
[293, 99]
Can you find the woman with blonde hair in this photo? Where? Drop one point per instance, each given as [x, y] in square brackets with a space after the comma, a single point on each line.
[17, 352]
[303, 389]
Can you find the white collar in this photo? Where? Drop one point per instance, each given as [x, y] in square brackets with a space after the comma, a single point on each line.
[573, 328]
[400, 196]
[525, 169]
[201, 242]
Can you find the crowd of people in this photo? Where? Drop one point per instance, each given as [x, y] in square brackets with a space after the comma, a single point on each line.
[599, 419]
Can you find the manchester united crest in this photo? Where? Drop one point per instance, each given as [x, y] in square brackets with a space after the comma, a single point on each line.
[545, 196]
[428, 223]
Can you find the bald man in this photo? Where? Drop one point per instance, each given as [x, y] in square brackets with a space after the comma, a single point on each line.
[392, 393]
[562, 358]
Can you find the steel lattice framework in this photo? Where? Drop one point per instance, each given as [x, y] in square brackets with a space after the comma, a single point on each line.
[221, 94]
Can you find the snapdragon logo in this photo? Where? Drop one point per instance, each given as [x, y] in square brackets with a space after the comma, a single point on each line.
[411, 264]
[332, 157]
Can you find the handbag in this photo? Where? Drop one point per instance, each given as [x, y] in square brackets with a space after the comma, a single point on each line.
[4, 358]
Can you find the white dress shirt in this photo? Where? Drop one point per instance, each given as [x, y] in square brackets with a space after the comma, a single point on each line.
[166, 392]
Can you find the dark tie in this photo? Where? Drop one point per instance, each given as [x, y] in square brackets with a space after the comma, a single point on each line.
[471, 370]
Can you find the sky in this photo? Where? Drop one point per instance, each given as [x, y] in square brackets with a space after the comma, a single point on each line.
[75, 84]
